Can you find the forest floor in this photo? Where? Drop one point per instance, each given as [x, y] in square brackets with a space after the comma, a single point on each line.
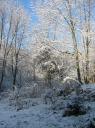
[39, 115]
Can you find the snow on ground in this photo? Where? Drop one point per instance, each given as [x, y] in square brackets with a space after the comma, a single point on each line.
[40, 116]
[88, 86]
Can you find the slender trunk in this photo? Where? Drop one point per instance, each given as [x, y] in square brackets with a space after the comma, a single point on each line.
[87, 62]
[87, 15]
[76, 55]
[72, 28]
[15, 75]
[15, 70]
[2, 30]
[20, 78]
[34, 68]
[3, 72]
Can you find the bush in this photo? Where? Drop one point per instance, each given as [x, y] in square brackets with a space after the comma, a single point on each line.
[75, 108]
[91, 124]
[70, 85]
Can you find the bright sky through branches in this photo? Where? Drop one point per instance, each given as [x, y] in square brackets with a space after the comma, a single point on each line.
[27, 6]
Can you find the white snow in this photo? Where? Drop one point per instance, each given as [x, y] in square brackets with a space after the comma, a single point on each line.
[40, 115]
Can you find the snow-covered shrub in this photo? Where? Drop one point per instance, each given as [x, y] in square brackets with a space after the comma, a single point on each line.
[25, 103]
[88, 93]
[29, 92]
[18, 96]
[75, 107]
[4, 95]
[91, 124]
[91, 96]
[59, 104]
[21, 102]
[59, 93]
[14, 99]
[70, 85]
[49, 96]
[13, 96]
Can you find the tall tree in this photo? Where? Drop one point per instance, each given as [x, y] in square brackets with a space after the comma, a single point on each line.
[13, 22]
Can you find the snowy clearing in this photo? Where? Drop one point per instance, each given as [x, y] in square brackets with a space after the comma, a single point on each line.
[40, 115]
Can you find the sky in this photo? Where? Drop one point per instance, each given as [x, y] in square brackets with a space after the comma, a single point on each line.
[32, 13]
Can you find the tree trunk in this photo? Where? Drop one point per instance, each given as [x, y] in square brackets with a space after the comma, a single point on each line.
[3, 72]
[76, 55]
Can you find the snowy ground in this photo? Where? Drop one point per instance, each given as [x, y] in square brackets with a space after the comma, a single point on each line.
[40, 116]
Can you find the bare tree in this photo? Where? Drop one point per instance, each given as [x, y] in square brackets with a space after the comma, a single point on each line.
[20, 35]
[13, 22]
[66, 14]
[7, 36]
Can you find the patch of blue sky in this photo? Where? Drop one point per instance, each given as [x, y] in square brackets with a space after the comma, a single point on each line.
[27, 5]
